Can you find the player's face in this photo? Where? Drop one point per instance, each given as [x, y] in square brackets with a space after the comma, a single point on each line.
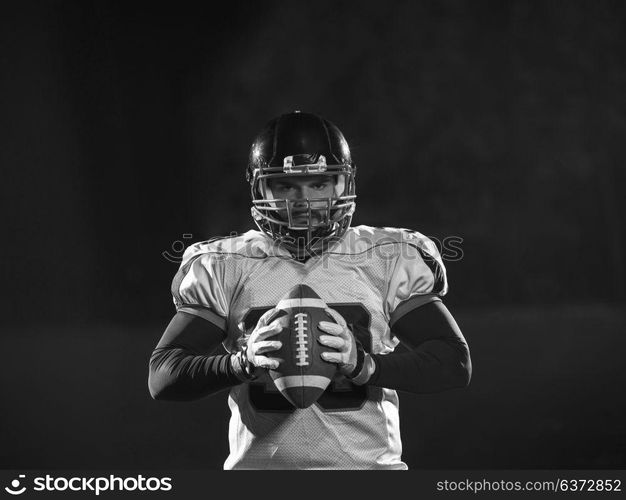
[300, 189]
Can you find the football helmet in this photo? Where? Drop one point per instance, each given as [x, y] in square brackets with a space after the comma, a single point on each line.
[294, 145]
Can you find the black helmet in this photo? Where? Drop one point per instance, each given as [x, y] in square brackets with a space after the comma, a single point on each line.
[295, 145]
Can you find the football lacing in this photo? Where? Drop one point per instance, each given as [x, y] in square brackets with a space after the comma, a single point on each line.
[302, 355]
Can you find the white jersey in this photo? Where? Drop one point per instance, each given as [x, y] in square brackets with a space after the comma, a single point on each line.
[371, 276]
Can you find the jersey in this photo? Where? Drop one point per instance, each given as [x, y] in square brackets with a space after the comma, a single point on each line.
[371, 276]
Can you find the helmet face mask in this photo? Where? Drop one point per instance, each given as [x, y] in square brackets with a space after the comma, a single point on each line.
[303, 224]
[297, 149]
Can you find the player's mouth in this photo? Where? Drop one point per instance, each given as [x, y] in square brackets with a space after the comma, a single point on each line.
[302, 217]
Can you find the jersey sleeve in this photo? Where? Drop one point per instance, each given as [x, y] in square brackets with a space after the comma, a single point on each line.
[199, 287]
[418, 276]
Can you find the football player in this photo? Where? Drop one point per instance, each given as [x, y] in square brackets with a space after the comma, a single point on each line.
[388, 328]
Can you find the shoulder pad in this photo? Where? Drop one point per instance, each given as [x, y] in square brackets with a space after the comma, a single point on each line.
[362, 238]
[249, 244]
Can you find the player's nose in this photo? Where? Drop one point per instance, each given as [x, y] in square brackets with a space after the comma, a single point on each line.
[307, 192]
[300, 196]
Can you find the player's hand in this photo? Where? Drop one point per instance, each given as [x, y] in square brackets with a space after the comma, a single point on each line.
[340, 338]
[258, 344]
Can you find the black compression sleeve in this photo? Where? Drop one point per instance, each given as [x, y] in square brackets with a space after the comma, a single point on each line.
[437, 359]
[183, 366]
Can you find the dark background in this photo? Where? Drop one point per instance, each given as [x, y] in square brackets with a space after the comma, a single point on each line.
[126, 125]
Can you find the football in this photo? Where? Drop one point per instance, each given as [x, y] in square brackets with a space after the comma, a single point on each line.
[303, 375]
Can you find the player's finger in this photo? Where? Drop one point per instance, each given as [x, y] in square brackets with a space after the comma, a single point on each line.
[281, 320]
[267, 346]
[268, 331]
[334, 342]
[332, 357]
[332, 328]
[336, 316]
[267, 315]
[265, 362]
